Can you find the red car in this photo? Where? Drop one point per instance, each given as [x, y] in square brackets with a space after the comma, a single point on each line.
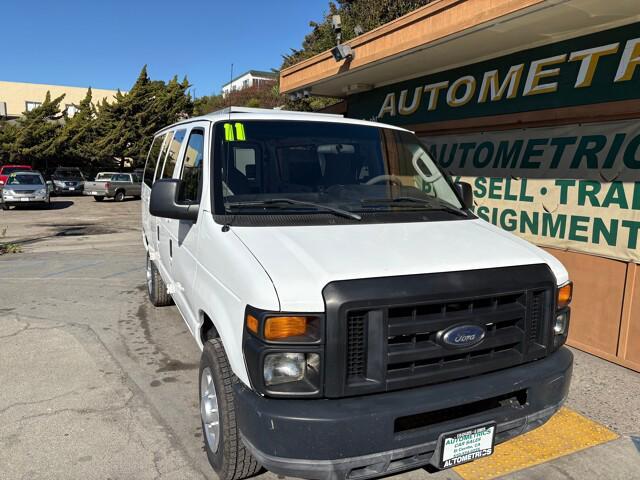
[7, 170]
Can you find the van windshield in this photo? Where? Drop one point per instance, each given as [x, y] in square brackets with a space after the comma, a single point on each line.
[267, 167]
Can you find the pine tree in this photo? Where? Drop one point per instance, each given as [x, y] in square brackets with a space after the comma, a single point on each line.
[126, 126]
[35, 142]
[74, 144]
[8, 134]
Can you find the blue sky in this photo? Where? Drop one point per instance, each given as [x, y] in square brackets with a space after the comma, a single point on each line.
[104, 44]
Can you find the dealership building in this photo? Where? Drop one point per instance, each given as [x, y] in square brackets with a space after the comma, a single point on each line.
[536, 103]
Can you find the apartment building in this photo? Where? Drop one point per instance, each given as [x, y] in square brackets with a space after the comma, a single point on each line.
[19, 97]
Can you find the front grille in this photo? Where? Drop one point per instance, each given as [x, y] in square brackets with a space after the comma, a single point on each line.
[415, 356]
[386, 334]
[70, 184]
[25, 192]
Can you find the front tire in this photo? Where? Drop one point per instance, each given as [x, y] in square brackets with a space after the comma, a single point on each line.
[226, 453]
[156, 288]
[5, 206]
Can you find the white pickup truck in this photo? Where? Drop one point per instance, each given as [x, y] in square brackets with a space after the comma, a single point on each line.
[356, 319]
[114, 185]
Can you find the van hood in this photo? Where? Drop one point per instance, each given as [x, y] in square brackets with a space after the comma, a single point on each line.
[302, 260]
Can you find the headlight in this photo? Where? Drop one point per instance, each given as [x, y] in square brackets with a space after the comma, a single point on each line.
[560, 324]
[7, 191]
[284, 368]
[561, 317]
[59, 183]
[289, 372]
[283, 352]
[42, 191]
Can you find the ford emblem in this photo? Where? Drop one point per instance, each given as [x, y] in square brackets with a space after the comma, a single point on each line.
[462, 336]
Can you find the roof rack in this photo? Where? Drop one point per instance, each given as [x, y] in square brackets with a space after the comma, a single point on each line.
[228, 110]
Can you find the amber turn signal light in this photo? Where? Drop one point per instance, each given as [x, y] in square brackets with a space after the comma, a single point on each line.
[565, 293]
[252, 324]
[277, 328]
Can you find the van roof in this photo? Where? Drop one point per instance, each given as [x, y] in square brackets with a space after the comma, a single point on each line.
[246, 113]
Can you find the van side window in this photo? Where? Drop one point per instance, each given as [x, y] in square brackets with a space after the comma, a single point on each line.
[191, 175]
[172, 154]
[152, 160]
[163, 154]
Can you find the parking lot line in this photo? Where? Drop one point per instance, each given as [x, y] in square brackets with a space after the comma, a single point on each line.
[567, 432]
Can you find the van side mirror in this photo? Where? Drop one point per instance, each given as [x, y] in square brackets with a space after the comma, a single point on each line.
[164, 203]
[466, 192]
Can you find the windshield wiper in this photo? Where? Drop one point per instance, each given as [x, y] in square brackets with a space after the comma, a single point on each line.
[290, 201]
[435, 204]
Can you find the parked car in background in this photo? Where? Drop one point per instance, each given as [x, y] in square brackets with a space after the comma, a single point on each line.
[25, 188]
[114, 185]
[67, 180]
[6, 170]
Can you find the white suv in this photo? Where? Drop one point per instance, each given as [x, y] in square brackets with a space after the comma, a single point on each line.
[355, 317]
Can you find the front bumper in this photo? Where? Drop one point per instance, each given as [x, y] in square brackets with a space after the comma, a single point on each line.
[96, 193]
[12, 200]
[356, 437]
[71, 190]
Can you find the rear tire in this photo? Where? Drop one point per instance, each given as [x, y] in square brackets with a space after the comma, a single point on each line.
[98, 198]
[156, 288]
[226, 453]
[119, 196]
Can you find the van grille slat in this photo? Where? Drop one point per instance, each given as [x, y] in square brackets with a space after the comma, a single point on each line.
[356, 346]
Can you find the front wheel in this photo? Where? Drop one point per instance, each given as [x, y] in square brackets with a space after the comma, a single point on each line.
[226, 453]
[5, 206]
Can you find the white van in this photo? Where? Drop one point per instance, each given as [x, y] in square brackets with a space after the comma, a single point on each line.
[355, 317]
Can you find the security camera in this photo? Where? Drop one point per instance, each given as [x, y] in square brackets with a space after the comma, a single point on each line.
[358, 30]
[306, 93]
[336, 24]
[342, 52]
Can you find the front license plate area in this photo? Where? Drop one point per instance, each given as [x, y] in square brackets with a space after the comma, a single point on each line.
[464, 446]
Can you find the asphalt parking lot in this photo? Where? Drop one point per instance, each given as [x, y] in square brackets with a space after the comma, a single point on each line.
[98, 384]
